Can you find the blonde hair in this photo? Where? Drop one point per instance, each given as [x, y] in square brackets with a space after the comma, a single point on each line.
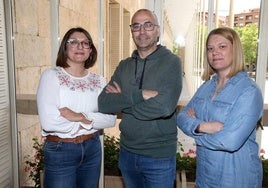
[238, 57]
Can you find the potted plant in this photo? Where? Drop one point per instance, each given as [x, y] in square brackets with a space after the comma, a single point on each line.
[35, 165]
[112, 174]
[111, 155]
[185, 166]
[264, 168]
[265, 172]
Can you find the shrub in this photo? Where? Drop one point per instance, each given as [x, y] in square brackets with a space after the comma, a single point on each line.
[265, 173]
[186, 162]
[111, 155]
[35, 165]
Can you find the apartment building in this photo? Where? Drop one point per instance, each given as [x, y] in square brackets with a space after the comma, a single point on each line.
[251, 16]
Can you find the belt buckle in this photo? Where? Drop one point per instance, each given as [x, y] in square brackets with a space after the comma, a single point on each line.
[78, 140]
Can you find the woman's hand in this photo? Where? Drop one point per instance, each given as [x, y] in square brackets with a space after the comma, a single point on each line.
[73, 116]
[209, 127]
[191, 113]
[206, 127]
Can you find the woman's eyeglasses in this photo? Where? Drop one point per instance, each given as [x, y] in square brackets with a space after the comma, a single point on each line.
[75, 43]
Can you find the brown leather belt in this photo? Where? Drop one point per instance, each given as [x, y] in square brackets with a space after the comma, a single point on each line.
[76, 140]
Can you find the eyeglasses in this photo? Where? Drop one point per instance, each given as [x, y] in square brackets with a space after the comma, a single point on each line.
[75, 43]
[147, 26]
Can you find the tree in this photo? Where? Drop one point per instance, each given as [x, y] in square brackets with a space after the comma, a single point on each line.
[249, 39]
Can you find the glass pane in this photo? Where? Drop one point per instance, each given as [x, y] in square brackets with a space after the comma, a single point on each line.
[242, 15]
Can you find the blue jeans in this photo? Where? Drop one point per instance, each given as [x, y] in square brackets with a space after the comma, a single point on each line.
[144, 172]
[70, 165]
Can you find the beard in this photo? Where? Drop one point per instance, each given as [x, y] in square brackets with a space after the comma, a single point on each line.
[144, 42]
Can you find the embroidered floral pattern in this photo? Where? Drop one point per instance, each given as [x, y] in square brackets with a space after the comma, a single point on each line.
[91, 82]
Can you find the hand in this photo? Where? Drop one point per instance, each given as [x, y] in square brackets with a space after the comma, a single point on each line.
[191, 113]
[210, 127]
[115, 88]
[73, 116]
[147, 94]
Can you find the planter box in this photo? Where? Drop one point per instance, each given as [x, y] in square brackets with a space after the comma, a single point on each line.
[41, 179]
[181, 181]
[117, 181]
[113, 182]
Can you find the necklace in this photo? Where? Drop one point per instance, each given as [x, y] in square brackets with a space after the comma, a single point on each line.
[217, 91]
[220, 85]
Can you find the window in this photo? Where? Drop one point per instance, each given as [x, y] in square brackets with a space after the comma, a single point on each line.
[119, 36]
[249, 17]
[192, 73]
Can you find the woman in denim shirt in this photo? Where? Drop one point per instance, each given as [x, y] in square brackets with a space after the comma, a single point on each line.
[222, 117]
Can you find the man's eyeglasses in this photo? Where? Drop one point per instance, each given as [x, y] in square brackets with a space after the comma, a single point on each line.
[147, 26]
[75, 43]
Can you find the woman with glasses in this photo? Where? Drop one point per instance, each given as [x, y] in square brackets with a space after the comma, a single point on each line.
[68, 111]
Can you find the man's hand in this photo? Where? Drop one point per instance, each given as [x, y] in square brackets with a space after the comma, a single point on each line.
[147, 94]
[115, 88]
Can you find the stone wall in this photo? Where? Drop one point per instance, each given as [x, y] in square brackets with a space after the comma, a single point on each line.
[29, 127]
[32, 56]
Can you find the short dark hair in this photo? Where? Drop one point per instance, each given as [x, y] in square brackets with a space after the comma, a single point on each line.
[62, 54]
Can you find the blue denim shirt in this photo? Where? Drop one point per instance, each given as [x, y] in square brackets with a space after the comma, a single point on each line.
[228, 158]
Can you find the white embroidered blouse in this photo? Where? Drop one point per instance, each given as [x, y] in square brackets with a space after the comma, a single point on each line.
[58, 89]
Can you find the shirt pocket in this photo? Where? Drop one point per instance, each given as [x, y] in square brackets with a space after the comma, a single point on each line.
[199, 105]
[219, 111]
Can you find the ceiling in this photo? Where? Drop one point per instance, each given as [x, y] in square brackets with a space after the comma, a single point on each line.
[180, 14]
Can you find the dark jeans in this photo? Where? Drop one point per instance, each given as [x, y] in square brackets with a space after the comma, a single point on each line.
[70, 165]
[144, 172]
